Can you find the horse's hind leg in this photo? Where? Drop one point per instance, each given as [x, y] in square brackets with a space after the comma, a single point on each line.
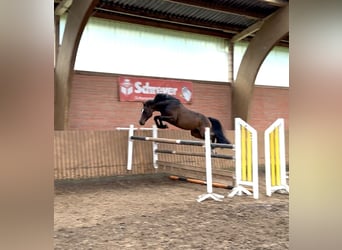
[199, 133]
[202, 132]
[212, 137]
[196, 133]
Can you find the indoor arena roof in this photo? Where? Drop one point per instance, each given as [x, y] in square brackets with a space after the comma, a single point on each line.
[233, 19]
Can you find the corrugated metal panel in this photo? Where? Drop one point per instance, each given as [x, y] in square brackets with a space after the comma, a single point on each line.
[250, 5]
[197, 13]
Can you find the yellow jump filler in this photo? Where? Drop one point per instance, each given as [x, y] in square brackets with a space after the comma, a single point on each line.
[275, 162]
[246, 159]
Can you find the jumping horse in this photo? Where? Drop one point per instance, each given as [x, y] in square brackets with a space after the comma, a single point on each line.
[174, 112]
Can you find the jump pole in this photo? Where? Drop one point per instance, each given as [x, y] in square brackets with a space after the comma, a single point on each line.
[181, 142]
[246, 160]
[174, 152]
[275, 162]
[209, 180]
[201, 182]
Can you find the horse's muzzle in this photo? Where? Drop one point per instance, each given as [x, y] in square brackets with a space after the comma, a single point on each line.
[142, 122]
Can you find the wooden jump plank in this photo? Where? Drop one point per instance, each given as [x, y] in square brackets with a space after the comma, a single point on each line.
[184, 170]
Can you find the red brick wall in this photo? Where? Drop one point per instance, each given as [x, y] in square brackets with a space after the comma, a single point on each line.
[267, 105]
[95, 104]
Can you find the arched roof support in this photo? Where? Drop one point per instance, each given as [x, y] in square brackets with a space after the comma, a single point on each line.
[272, 30]
[78, 16]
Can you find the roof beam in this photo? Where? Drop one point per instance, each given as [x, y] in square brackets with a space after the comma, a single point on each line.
[251, 29]
[62, 7]
[247, 32]
[278, 3]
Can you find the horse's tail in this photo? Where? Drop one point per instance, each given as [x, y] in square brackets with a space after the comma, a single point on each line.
[217, 129]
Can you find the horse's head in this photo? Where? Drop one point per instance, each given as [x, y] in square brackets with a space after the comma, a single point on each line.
[146, 112]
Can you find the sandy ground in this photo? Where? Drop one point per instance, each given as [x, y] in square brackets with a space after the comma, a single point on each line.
[154, 212]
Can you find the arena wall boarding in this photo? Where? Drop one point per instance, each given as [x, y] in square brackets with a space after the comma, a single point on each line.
[81, 154]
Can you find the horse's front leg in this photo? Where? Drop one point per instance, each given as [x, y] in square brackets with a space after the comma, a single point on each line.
[159, 122]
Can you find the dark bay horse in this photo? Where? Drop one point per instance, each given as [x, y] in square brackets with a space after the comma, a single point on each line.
[174, 112]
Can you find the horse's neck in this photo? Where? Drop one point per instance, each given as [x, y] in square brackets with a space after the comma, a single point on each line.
[159, 106]
[162, 105]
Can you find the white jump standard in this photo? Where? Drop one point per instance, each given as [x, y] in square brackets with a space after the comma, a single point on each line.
[209, 177]
[246, 159]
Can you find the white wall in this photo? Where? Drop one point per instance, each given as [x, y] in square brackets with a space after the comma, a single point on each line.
[124, 48]
[275, 69]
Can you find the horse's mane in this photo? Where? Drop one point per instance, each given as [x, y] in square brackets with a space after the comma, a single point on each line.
[165, 97]
[149, 102]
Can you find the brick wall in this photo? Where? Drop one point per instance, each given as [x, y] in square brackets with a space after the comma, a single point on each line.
[95, 104]
[267, 105]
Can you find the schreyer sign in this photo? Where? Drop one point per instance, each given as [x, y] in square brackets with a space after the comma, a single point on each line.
[136, 89]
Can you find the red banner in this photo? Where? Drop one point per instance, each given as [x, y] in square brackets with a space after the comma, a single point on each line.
[136, 89]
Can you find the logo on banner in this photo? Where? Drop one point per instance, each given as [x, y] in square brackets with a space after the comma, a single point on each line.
[126, 87]
[186, 94]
